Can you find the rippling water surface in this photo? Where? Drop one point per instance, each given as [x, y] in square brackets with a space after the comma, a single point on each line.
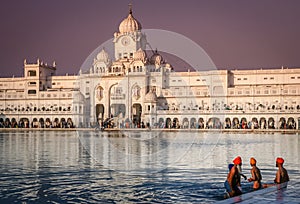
[132, 167]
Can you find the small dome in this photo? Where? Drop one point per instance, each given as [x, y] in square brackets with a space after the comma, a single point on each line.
[129, 24]
[151, 97]
[156, 58]
[139, 55]
[103, 56]
[78, 97]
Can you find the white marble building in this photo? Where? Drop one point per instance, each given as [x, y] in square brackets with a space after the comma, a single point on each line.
[135, 89]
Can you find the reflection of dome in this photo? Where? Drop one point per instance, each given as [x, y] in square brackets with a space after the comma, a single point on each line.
[156, 58]
[129, 24]
[103, 56]
[151, 97]
[139, 55]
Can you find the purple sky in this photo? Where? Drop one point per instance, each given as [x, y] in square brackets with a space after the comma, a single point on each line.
[236, 34]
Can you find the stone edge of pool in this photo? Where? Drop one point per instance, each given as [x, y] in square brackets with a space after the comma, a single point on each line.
[265, 195]
[285, 131]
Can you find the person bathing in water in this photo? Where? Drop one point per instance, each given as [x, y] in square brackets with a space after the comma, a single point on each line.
[281, 174]
[233, 181]
[255, 175]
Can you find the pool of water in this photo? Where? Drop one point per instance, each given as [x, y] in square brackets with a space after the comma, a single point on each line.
[133, 167]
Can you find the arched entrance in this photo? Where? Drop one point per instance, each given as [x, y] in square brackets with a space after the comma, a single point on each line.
[254, 124]
[271, 123]
[41, 122]
[185, 123]
[235, 123]
[136, 113]
[99, 112]
[193, 123]
[244, 123]
[282, 123]
[291, 124]
[262, 123]
[227, 123]
[214, 123]
[201, 123]
[176, 123]
[161, 123]
[168, 123]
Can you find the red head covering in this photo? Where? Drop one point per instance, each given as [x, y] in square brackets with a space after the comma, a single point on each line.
[252, 161]
[237, 160]
[279, 160]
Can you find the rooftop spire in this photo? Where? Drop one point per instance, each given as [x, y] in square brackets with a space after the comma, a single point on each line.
[130, 8]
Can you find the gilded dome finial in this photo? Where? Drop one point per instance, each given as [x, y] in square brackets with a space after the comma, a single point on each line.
[130, 8]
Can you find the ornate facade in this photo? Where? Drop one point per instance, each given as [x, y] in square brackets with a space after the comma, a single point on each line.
[139, 88]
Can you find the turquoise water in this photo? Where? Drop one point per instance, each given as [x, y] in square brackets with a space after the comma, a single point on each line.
[133, 167]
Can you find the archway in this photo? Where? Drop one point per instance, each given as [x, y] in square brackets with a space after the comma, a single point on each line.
[14, 123]
[161, 123]
[1, 123]
[235, 123]
[168, 123]
[254, 124]
[244, 123]
[291, 124]
[262, 123]
[282, 123]
[69, 123]
[227, 123]
[185, 123]
[41, 122]
[193, 123]
[201, 123]
[48, 123]
[62, 122]
[56, 123]
[271, 123]
[175, 123]
[99, 113]
[214, 123]
[136, 113]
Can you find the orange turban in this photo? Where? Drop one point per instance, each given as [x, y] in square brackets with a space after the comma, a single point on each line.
[279, 160]
[252, 161]
[237, 160]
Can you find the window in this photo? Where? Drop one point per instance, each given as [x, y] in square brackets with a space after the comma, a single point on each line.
[198, 80]
[294, 91]
[231, 92]
[32, 83]
[239, 79]
[258, 92]
[245, 79]
[292, 77]
[239, 92]
[272, 78]
[31, 73]
[148, 108]
[266, 92]
[274, 92]
[55, 83]
[247, 92]
[31, 91]
[265, 78]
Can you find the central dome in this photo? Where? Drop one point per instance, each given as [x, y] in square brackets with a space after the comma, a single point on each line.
[129, 24]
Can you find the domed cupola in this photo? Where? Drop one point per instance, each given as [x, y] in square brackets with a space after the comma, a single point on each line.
[140, 55]
[151, 97]
[156, 58]
[103, 56]
[129, 24]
